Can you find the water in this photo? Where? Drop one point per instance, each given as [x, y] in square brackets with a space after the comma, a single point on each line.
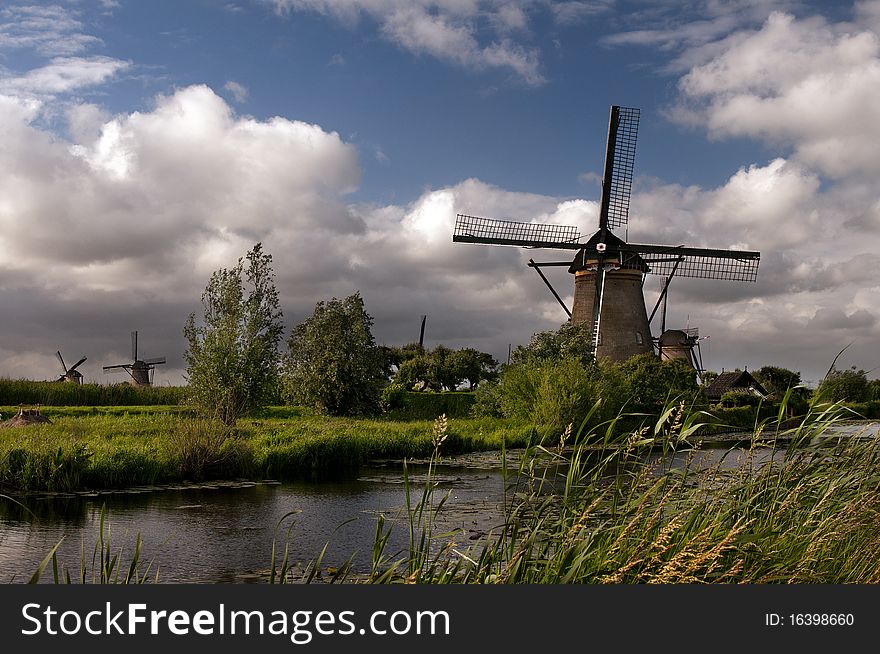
[224, 533]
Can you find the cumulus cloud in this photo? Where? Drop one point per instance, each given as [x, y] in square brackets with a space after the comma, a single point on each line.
[806, 83]
[143, 206]
[448, 30]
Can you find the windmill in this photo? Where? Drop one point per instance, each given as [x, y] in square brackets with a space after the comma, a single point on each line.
[609, 272]
[141, 371]
[70, 374]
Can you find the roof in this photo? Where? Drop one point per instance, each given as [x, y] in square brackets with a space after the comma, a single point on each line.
[611, 243]
[738, 380]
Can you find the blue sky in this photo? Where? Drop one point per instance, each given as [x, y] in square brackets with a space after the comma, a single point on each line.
[147, 144]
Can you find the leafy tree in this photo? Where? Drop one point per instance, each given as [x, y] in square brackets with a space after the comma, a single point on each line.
[333, 362]
[414, 371]
[874, 389]
[443, 368]
[440, 370]
[473, 366]
[645, 383]
[845, 386]
[232, 355]
[776, 381]
[569, 341]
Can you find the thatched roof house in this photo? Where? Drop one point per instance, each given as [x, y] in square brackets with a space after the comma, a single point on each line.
[738, 380]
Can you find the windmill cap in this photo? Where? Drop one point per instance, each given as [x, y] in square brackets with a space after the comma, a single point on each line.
[607, 245]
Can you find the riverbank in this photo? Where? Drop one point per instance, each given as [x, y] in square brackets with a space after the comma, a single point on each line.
[94, 448]
[88, 448]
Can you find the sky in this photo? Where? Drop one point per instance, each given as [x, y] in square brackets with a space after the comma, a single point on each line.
[145, 145]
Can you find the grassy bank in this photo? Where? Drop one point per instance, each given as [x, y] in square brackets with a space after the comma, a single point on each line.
[106, 447]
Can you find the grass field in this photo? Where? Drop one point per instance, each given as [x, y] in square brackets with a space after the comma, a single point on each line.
[90, 447]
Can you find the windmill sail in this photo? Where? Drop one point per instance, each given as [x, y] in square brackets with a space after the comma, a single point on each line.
[487, 231]
[620, 157]
[703, 263]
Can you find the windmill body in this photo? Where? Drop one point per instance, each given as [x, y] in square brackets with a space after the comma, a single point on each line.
[609, 272]
[139, 370]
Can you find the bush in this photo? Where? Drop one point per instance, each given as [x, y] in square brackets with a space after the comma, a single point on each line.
[550, 393]
[51, 393]
[428, 406]
[393, 396]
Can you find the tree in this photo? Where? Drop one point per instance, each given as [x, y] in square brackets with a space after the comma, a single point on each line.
[645, 382]
[776, 381]
[569, 341]
[845, 386]
[472, 366]
[443, 368]
[333, 363]
[232, 355]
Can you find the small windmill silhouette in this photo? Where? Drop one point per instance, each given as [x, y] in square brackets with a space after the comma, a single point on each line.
[141, 371]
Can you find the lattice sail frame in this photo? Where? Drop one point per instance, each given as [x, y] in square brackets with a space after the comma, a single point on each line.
[473, 229]
[700, 263]
[704, 263]
[622, 135]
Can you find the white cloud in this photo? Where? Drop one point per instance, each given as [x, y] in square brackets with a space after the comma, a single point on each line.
[64, 75]
[144, 206]
[50, 30]
[238, 91]
[448, 30]
[807, 84]
[575, 11]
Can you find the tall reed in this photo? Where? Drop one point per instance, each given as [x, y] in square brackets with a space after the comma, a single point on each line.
[802, 506]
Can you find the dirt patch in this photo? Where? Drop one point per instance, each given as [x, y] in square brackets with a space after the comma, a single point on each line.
[25, 417]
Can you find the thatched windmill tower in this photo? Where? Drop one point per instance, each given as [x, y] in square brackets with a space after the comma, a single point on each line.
[140, 371]
[609, 272]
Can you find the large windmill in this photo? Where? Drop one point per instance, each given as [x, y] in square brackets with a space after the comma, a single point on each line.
[70, 374]
[608, 272]
[141, 371]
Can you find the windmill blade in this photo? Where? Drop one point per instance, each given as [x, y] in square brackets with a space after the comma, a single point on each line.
[120, 366]
[705, 263]
[155, 362]
[61, 359]
[473, 229]
[134, 345]
[620, 156]
[75, 365]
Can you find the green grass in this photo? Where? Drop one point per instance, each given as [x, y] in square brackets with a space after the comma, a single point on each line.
[105, 447]
[25, 391]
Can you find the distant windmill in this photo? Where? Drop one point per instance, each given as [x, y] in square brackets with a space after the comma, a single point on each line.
[141, 371]
[70, 374]
[609, 272]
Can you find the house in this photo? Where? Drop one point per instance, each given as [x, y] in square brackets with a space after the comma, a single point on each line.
[740, 381]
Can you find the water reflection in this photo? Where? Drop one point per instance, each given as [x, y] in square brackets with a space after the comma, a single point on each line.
[211, 534]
